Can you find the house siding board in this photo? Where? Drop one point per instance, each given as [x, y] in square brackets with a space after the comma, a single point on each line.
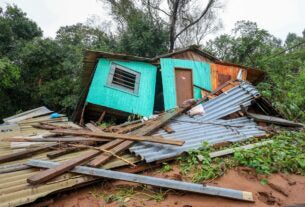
[102, 94]
[218, 71]
[201, 77]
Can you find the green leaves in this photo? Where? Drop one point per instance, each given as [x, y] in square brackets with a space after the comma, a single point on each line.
[285, 154]
[9, 73]
[253, 46]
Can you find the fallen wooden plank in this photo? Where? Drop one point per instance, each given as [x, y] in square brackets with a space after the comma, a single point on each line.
[129, 123]
[60, 152]
[101, 117]
[146, 130]
[102, 158]
[28, 114]
[55, 139]
[106, 151]
[98, 160]
[168, 129]
[25, 153]
[67, 165]
[131, 128]
[159, 182]
[119, 136]
[93, 127]
[232, 150]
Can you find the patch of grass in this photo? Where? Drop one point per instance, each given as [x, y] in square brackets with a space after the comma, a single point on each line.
[285, 154]
[165, 168]
[119, 196]
[199, 164]
[157, 196]
[264, 181]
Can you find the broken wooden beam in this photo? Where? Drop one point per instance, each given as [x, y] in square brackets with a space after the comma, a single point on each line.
[60, 152]
[148, 180]
[103, 150]
[168, 129]
[46, 175]
[101, 118]
[66, 166]
[130, 128]
[104, 157]
[146, 130]
[119, 136]
[25, 153]
[55, 139]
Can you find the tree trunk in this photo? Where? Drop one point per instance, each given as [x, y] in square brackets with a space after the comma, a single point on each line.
[172, 30]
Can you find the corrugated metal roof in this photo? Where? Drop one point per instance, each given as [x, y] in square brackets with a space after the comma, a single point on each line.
[14, 190]
[207, 127]
[28, 114]
[230, 101]
[194, 134]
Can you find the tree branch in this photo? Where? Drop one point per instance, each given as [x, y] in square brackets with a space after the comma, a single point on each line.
[159, 9]
[204, 12]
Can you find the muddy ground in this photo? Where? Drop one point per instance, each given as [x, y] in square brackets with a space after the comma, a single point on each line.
[281, 190]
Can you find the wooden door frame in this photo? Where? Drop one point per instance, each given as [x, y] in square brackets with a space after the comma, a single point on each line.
[192, 81]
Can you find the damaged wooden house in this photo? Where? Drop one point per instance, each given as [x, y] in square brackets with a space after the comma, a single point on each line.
[121, 85]
[40, 149]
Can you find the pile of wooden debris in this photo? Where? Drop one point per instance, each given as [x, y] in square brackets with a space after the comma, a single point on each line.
[41, 139]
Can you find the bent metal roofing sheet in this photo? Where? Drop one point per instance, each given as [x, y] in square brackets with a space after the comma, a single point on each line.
[207, 127]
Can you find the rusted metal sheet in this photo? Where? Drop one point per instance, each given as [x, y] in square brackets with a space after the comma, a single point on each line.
[223, 73]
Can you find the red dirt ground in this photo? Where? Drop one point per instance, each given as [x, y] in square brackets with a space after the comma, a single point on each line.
[281, 190]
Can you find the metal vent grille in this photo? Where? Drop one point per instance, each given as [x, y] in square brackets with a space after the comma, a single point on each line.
[124, 79]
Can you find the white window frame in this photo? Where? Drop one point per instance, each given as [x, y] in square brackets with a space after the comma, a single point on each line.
[110, 83]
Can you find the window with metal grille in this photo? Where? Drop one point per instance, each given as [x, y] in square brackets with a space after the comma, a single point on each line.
[124, 79]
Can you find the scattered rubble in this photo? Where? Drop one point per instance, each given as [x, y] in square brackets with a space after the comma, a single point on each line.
[31, 139]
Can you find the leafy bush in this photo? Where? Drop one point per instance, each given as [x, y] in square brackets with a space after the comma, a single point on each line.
[286, 154]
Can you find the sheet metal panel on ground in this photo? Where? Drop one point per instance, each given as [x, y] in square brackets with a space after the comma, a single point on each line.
[207, 127]
[14, 189]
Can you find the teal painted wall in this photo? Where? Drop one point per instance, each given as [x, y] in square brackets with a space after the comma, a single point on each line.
[142, 103]
[201, 77]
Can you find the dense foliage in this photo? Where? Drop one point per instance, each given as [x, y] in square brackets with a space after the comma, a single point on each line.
[37, 71]
[285, 154]
[284, 63]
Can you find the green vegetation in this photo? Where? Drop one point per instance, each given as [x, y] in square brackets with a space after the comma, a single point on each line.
[200, 166]
[286, 154]
[166, 168]
[284, 63]
[37, 71]
[123, 194]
